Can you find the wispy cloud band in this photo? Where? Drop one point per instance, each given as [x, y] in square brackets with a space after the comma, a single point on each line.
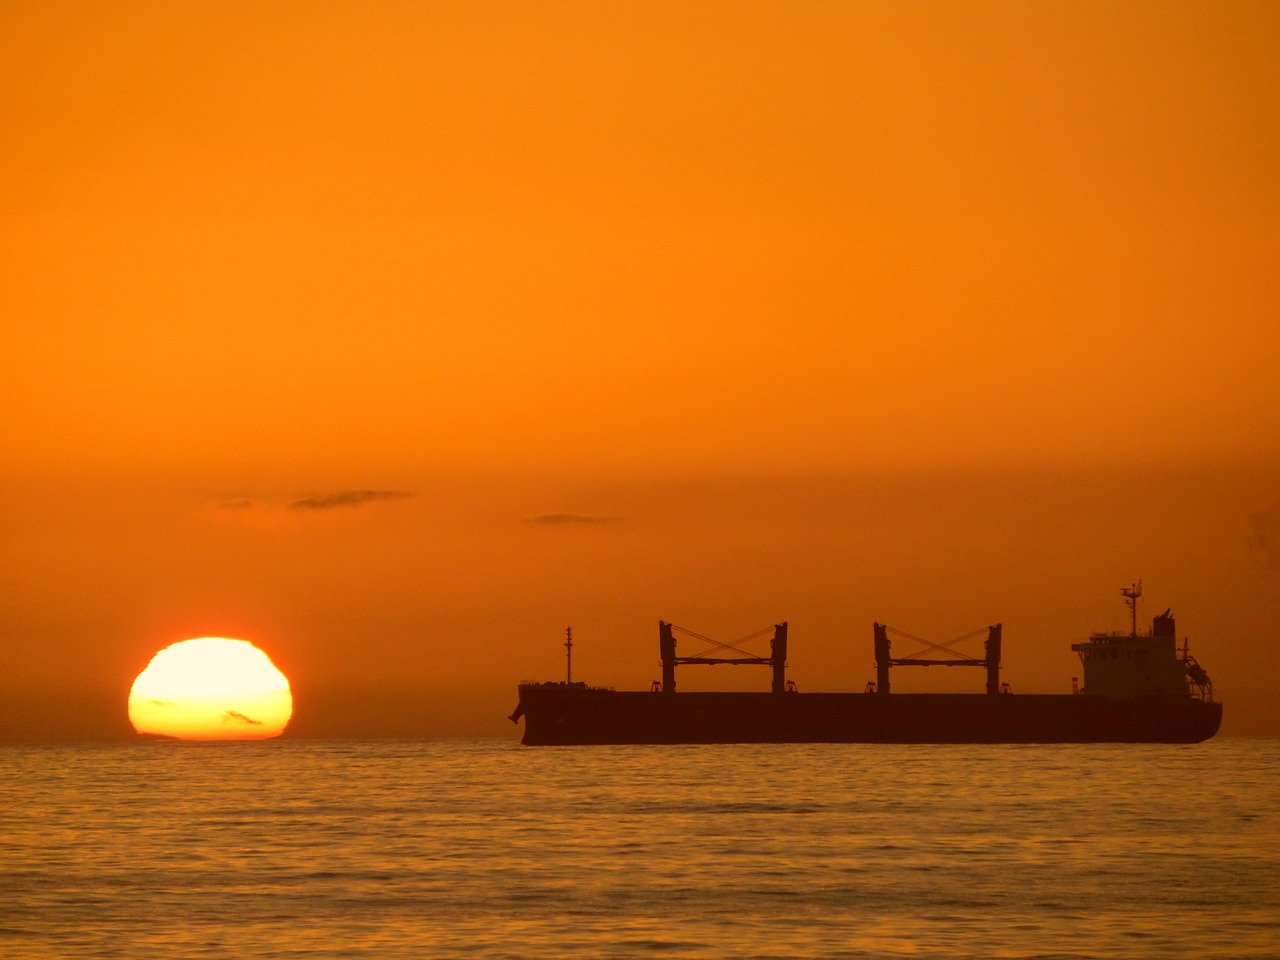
[346, 498]
[568, 519]
[310, 502]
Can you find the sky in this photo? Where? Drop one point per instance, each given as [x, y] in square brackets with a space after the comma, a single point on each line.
[397, 337]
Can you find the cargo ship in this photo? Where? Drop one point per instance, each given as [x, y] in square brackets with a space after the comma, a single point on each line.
[1138, 688]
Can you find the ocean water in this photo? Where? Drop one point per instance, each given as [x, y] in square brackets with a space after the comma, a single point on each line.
[301, 849]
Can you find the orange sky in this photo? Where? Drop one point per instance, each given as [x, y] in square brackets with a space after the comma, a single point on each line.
[937, 314]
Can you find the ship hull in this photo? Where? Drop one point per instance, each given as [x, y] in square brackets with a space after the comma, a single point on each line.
[567, 714]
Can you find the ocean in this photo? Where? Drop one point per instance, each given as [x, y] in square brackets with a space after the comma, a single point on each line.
[385, 849]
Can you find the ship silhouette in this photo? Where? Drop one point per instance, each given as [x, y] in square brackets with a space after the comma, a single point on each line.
[1138, 688]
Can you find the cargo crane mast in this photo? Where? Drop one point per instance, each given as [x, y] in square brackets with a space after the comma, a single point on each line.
[777, 658]
[990, 660]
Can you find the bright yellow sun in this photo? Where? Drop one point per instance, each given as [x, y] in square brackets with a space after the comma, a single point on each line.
[211, 689]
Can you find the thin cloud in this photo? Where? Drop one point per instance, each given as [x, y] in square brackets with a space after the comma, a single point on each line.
[347, 498]
[236, 503]
[236, 715]
[569, 519]
[1265, 536]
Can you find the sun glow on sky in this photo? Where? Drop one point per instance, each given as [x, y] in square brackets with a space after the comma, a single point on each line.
[353, 324]
[211, 688]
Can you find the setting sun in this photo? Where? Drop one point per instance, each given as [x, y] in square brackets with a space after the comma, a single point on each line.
[211, 688]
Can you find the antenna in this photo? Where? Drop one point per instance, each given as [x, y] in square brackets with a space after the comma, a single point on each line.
[568, 654]
[1131, 595]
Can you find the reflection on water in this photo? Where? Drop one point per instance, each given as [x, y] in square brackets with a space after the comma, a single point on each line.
[486, 849]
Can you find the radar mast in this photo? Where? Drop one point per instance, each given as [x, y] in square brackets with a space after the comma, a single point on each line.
[1131, 595]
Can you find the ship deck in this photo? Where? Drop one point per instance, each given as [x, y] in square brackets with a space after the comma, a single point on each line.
[563, 714]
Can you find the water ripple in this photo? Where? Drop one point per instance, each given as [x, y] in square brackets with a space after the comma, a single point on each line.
[291, 849]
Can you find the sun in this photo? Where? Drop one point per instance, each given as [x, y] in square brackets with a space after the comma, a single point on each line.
[211, 688]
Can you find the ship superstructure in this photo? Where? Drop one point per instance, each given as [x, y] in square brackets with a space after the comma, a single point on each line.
[1136, 665]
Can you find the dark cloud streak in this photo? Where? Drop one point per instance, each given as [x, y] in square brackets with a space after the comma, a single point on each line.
[569, 519]
[347, 498]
